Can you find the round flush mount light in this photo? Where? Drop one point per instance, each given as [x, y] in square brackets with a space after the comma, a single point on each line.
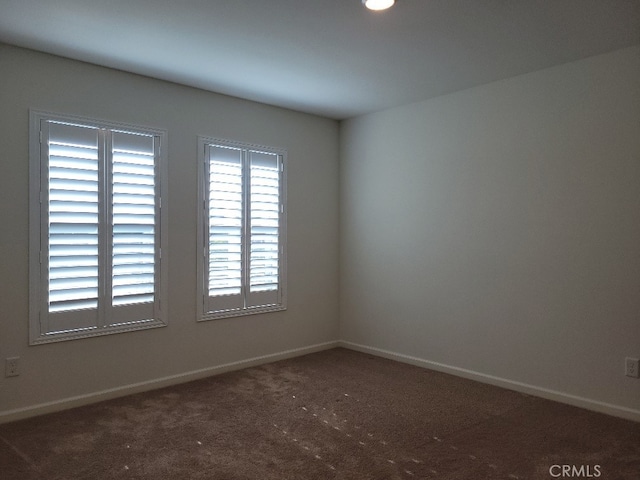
[378, 4]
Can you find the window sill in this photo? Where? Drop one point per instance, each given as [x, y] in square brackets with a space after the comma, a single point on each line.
[95, 332]
[241, 313]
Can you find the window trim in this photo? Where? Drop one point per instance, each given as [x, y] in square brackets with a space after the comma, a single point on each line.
[202, 233]
[37, 335]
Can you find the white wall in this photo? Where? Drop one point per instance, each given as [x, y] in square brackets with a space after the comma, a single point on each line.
[55, 372]
[495, 232]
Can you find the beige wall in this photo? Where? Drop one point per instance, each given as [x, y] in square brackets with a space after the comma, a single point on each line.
[495, 232]
[59, 371]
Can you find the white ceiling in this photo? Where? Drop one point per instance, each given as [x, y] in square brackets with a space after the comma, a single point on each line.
[328, 57]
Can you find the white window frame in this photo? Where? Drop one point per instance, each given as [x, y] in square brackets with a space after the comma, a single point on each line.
[41, 330]
[204, 310]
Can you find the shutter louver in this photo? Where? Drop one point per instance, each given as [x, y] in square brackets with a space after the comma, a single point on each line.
[225, 223]
[73, 214]
[133, 217]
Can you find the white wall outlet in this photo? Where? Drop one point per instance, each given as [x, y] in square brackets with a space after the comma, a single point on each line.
[12, 367]
[631, 367]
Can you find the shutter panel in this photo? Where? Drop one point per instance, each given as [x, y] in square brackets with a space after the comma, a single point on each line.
[225, 204]
[264, 190]
[133, 214]
[73, 173]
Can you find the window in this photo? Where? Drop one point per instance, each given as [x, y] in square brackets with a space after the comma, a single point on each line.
[96, 228]
[242, 228]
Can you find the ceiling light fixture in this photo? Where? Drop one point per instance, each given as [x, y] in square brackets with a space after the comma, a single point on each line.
[378, 4]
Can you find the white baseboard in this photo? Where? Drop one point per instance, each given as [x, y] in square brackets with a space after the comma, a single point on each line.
[586, 403]
[77, 401]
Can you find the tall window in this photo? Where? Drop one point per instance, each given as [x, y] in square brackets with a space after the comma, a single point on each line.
[96, 229]
[241, 229]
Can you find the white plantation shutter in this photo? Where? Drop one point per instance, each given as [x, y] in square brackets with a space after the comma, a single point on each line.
[99, 243]
[243, 229]
[264, 228]
[225, 228]
[133, 252]
[73, 173]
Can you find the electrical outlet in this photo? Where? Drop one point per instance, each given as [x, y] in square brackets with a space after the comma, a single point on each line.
[631, 367]
[12, 367]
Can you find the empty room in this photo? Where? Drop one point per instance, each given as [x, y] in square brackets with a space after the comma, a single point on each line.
[335, 239]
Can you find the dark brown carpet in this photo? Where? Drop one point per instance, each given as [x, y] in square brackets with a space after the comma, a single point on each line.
[337, 414]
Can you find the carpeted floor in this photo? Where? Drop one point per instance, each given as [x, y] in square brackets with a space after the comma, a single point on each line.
[337, 414]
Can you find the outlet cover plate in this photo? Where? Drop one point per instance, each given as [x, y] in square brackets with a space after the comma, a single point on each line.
[12, 367]
[632, 367]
